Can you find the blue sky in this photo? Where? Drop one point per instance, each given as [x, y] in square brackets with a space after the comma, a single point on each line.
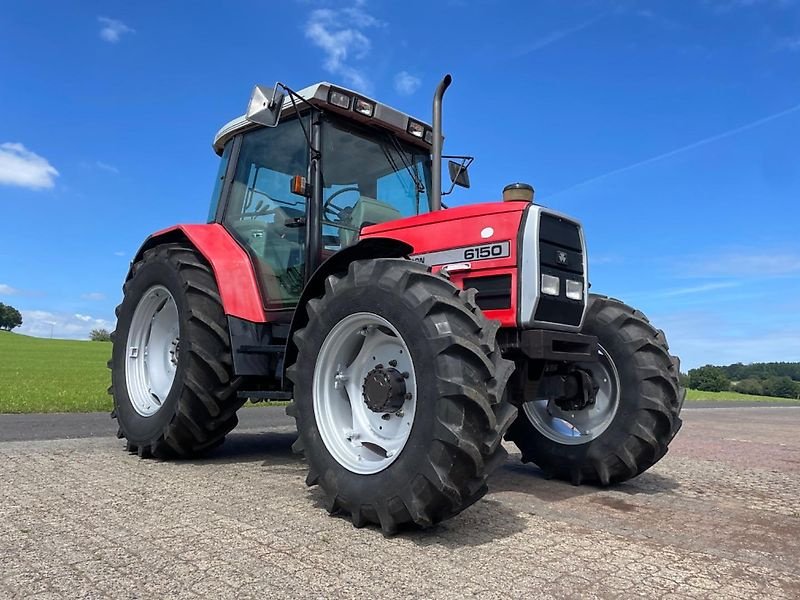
[670, 128]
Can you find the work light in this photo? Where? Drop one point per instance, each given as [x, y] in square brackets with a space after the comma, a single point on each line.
[363, 107]
[550, 285]
[339, 99]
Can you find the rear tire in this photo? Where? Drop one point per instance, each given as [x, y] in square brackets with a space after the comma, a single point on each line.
[646, 416]
[193, 402]
[458, 377]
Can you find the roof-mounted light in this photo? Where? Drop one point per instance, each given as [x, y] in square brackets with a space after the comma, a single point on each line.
[338, 98]
[363, 107]
[416, 129]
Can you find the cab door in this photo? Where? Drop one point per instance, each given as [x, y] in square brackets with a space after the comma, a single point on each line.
[263, 214]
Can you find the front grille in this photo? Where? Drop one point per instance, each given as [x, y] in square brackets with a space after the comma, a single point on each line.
[560, 255]
[494, 291]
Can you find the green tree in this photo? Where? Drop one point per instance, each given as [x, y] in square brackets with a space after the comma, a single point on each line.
[10, 317]
[749, 386]
[709, 379]
[100, 335]
[781, 387]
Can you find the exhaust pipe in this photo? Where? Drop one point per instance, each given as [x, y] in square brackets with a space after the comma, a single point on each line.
[436, 151]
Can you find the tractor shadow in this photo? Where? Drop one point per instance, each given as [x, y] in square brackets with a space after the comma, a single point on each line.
[528, 479]
[494, 517]
[270, 448]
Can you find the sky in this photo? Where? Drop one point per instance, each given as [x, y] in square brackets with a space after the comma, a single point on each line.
[669, 128]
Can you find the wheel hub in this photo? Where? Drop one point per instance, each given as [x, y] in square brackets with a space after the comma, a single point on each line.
[580, 418]
[579, 391]
[384, 389]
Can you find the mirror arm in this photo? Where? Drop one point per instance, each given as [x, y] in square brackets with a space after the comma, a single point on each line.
[466, 161]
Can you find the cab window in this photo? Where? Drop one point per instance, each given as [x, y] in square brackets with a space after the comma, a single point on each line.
[369, 177]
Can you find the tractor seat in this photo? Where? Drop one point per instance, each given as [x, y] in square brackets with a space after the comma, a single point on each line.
[367, 211]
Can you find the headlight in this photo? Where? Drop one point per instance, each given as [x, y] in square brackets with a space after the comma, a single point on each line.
[550, 285]
[574, 290]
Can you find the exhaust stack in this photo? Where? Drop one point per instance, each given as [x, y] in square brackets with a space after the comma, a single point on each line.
[436, 151]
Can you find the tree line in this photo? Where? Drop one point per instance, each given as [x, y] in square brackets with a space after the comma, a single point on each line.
[779, 379]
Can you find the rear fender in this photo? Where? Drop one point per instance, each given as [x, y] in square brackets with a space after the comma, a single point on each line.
[233, 270]
[375, 247]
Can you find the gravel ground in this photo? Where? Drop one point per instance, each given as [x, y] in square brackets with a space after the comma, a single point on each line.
[719, 517]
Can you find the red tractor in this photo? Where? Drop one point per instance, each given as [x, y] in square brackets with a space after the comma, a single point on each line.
[411, 339]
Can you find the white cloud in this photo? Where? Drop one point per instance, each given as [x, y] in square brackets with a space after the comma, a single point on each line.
[724, 5]
[43, 323]
[94, 296]
[112, 30]
[120, 253]
[699, 289]
[744, 262]
[106, 167]
[701, 338]
[405, 83]
[338, 32]
[688, 147]
[21, 167]
[7, 290]
[790, 44]
[554, 36]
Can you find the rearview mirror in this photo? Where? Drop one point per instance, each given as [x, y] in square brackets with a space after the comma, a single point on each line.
[265, 106]
[458, 173]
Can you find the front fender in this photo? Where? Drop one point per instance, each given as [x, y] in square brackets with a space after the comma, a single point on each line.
[232, 267]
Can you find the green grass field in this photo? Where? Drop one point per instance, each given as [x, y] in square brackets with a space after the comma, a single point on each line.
[39, 375]
[698, 396]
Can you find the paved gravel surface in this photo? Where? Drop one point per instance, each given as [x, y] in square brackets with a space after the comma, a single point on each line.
[719, 517]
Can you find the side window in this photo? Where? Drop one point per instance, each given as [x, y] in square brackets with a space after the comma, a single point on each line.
[215, 195]
[265, 215]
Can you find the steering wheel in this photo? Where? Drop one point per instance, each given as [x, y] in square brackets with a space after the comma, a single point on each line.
[329, 202]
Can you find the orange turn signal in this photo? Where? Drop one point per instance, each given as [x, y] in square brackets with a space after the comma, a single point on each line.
[299, 185]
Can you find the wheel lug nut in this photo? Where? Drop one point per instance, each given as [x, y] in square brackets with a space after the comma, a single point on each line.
[405, 375]
[386, 417]
[392, 363]
[407, 396]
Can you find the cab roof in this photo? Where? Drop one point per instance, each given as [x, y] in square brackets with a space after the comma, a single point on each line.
[318, 95]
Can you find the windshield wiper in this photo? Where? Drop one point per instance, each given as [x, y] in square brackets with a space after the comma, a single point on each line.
[399, 149]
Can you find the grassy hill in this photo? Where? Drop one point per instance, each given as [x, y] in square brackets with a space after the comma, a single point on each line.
[39, 375]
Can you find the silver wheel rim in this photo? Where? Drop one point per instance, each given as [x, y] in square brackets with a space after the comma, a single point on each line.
[152, 350]
[580, 426]
[362, 441]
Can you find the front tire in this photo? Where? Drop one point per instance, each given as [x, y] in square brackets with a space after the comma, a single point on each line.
[635, 415]
[171, 367]
[405, 424]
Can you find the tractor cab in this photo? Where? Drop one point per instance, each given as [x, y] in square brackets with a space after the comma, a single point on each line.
[299, 187]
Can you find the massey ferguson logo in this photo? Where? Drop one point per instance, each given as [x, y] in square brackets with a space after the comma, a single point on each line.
[562, 258]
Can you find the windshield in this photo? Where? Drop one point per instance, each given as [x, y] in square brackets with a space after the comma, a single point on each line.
[369, 177]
